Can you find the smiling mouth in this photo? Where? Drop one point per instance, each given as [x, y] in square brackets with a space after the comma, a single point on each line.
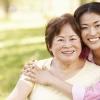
[68, 52]
[94, 39]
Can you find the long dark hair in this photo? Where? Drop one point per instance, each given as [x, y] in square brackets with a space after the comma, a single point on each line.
[88, 7]
[92, 7]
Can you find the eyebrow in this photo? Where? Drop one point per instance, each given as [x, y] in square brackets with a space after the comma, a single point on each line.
[70, 36]
[60, 36]
[93, 22]
[97, 21]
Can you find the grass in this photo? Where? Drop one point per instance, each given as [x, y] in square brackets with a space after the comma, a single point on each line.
[13, 58]
[18, 34]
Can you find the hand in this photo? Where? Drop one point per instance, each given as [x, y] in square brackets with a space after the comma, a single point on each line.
[27, 69]
[41, 76]
[29, 65]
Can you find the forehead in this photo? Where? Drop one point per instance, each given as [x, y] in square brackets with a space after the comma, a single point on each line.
[89, 17]
[67, 30]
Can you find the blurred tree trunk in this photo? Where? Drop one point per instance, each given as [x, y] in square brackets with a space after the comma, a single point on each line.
[4, 6]
[7, 5]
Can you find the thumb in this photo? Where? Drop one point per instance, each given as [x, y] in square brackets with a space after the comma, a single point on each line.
[44, 68]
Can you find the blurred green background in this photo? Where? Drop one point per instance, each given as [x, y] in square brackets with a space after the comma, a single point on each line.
[22, 26]
[14, 56]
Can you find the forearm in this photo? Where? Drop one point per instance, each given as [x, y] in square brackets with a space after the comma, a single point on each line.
[62, 86]
[21, 91]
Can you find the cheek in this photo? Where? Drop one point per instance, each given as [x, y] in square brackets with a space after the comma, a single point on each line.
[55, 49]
[99, 31]
[79, 45]
[83, 36]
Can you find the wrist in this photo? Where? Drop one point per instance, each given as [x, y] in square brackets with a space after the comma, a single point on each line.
[53, 81]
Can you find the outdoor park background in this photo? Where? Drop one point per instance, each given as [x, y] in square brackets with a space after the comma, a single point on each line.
[22, 25]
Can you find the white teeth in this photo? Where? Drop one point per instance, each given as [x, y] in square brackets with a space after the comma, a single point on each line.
[94, 39]
[68, 52]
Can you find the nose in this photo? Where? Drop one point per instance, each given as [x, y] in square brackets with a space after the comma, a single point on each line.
[67, 43]
[92, 31]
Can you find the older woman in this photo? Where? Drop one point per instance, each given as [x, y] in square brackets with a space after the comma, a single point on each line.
[88, 17]
[64, 43]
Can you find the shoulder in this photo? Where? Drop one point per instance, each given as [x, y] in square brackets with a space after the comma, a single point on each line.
[92, 66]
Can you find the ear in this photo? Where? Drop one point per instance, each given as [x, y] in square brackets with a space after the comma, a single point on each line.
[50, 48]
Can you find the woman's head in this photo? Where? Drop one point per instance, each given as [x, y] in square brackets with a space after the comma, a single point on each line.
[93, 7]
[56, 28]
[88, 18]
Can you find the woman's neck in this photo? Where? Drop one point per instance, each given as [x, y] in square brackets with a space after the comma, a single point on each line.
[66, 71]
[96, 56]
[77, 64]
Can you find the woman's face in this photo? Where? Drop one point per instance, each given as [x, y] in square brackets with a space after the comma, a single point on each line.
[66, 46]
[90, 26]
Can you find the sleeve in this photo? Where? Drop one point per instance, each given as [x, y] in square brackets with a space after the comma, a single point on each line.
[78, 92]
[93, 92]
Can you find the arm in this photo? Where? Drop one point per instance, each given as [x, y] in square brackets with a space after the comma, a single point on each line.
[61, 85]
[41, 76]
[78, 93]
[21, 90]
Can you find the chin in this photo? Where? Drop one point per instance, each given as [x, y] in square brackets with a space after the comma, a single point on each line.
[95, 48]
[69, 60]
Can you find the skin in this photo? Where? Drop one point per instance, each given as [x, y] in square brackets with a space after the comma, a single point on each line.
[41, 76]
[90, 27]
[66, 63]
[66, 48]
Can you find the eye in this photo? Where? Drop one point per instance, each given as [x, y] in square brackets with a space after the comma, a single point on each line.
[72, 39]
[83, 27]
[97, 26]
[60, 40]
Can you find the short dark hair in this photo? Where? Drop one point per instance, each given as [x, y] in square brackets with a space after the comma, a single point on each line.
[88, 7]
[55, 25]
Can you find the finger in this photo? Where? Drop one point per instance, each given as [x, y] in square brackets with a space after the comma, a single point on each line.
[31, 74]
[27, 66]
[29, 63]
[27, 70]
[34, 65]
[32, 80]
[44, 68]
[37, 69]
[29, 79]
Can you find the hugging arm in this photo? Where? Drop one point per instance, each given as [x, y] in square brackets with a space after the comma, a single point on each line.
[22, 89]
[49, 77]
